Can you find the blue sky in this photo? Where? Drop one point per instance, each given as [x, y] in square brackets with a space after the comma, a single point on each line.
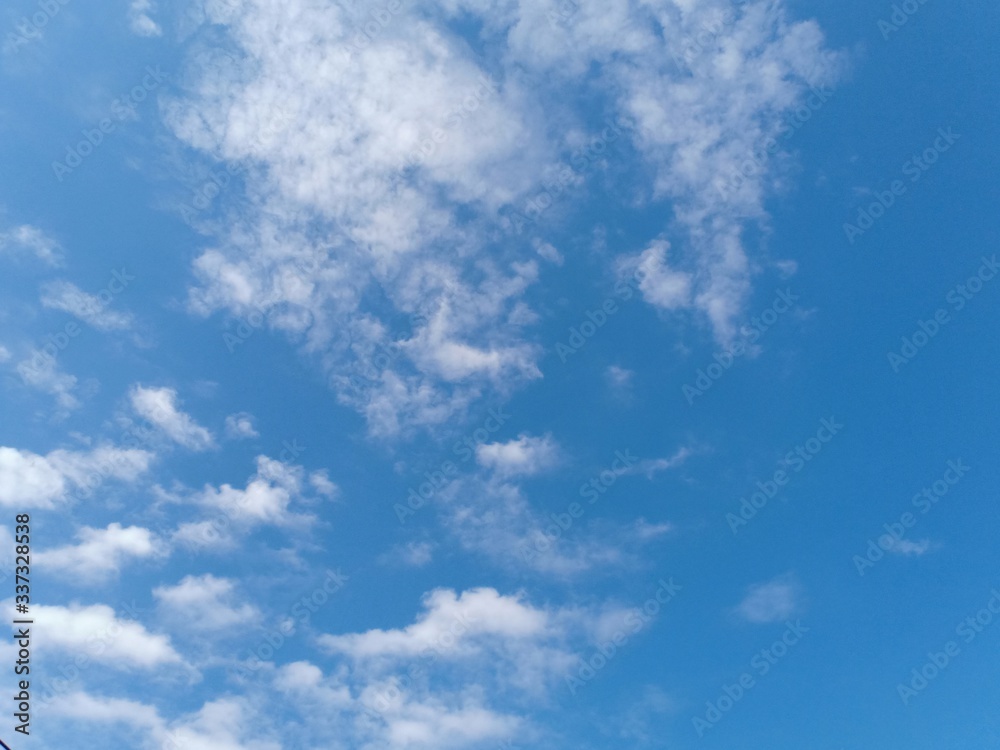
[542, 375]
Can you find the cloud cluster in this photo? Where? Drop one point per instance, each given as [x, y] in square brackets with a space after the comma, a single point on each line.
[393, 270]
[30, 480]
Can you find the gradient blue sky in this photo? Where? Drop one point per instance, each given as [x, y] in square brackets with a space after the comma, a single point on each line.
[346, 319]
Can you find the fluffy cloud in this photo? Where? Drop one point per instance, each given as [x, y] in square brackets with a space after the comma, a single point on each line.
[771, 601]
[449, 625]
[94, 310]
[266, 500]
[205, 603]
[30, 480]
[96, 631]
[407, 156]
[240, 426]
[159, 406]
[101, 553]
[660, 285]
[525, 456]
[85, 707]
[266, 497]
[478, 642]
[140, 20]
[225, 724]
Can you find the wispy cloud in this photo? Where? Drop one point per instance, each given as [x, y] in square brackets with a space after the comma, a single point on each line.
[26, 239]
[160, 406]
[771, 601]
[93, 310]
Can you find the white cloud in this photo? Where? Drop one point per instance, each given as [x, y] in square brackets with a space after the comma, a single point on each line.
[450, 625]
[652, 466]
[493, 518]
[412, 554]
[4, 354]
[82, 706]
[205, 603]
[522, 457]
[101, 553]
[223, 724]
[771, 601]
[320, 481]
[908, 548]
[140, 20]
[661, 285]
[94, 310]
[241, 426]
[620, 378]
[264, 500]
[417, 554]
[30, 480]
[479, 635]
[159, 406]
[29, 239]
[392, 714]
[333, 133]
[430, 723]
[486, 652]
[42, 373]
[97, 632]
